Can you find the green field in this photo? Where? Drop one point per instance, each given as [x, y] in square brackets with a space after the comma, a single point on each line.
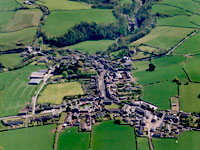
[159, 94]
[58, 22]
[195, 19]
[177, 21]
[142, 143]
[15, 91]
[71, 139]
[8, 5]
[164, 37]
[35, 138]
[191, 46]
[126, 1]
[64, 4]
[5, 18]
[140, 66]
[109, 136]
[192, 68]
[92, 46]
[189, 100]
[9, 40]
[168, 10]
[140, 55]
[149, 49]
[187, 141]
[54, 93]
[9, 60]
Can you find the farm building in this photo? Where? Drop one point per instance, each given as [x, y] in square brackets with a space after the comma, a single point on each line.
[35, 81]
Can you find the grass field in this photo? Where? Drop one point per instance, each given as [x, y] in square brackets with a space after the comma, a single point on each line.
[9, 60]
[140, 66]
[189, 100]
[126, 1]
[164, 37]
[109, 136]
[177, 21]
[9, 40]
[8, 5]
[142, 143]
[54, 93]
[149, 49]
[168, 10]
[192, 68]
[71, 139]
[15, 91]
[159, 94]
[191, 46]
[36, 138]
[140, 55]
[92, 46]
[58, 22]
[195, 19]
[187, 141]
[64, 4]
[5, 19]
[24, 19]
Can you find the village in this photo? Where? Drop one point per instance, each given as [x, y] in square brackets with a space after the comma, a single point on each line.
[112, 93]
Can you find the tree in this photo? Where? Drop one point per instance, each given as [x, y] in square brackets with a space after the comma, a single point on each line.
[65, 74]
[151, 67]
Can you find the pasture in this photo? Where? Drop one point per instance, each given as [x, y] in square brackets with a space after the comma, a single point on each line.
[140, 66]
[35, 138]
[159, 93]
[9, 60]
[142, 143]
[8, 5]
[24, 37]
[58, 22]
[64, 5]
[164, 36]
[71, 139]
[92, 46]
[140, 55]
[192, 68]
[5, 18]
[126, 1]
[109, 136]
[15, 92]
[195, 19]
[191, 46]
[189, 100]
[188, 140]
[54, 93]
[149, 49]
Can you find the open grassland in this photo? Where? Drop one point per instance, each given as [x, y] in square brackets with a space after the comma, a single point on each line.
[54, 93]
[9, 60]
[140, 55]
[64, 4]
[71, 139]
[159, 94]
[177, 21]
[58, 22]
[126, 1]
[140, 66]
[9, 40]
[109, 136]
[149, 49]
[92, 46]
[168, 10]
[24, 19]
[15, 91]
[5, 19]
[187, 141]
[142, 143]
[8, 5]
[191, 46]
[36, 138]
[164, 37]
[195, 19]
[188, 5]
[192, 68]
[189, 100]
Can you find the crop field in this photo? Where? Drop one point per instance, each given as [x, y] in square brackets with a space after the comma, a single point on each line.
[109, 136]
[15, 91]
[188, 140]
[64, 4]
[58, 22]
[92, 46]
[9, 40]
[177, 21]
[168, 10]
[159, 93]
[36, 138]
[9, 60]
[191, 46]
[8, 5]
[142, 143]
[192, 68]
[189, 100]
[24, 19]
[54, 93]
[71, 139]
[164, 36]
